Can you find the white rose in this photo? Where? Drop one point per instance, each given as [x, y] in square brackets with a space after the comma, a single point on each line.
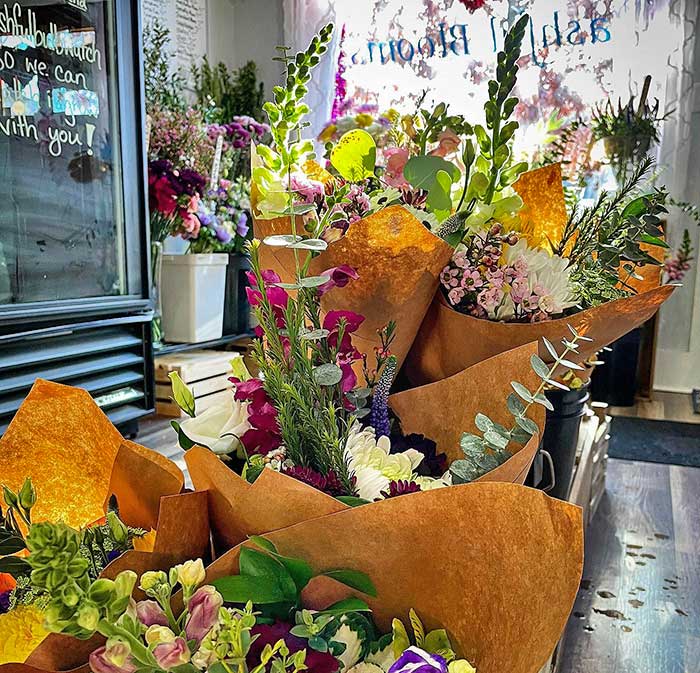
[219, 427]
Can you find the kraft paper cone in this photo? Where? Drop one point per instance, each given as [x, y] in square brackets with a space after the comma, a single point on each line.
[497, 565]
[444, 410]
[239, 509]
[398, 262]
[182, 533]
[449, 342]
[543, 215]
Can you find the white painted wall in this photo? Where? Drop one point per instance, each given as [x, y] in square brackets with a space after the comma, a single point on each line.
[244, 30]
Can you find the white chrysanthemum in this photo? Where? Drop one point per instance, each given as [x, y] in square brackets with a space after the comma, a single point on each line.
[383, 658]
[548, 276]
[372, 464]
[219, 427]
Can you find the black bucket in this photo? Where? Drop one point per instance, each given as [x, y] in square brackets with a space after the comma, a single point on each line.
[561, 435]
[236, 308]
[615, 382]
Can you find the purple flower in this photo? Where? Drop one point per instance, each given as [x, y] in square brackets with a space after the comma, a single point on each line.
[379, 414]
[204, 612]
[328, 483]
[415, 660]
[150, 613]
[222, 235]
[338, 276]
[242, 227]
[5, 601]
[400, 487]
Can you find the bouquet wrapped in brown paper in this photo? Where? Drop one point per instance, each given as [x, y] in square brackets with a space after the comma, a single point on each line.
[62, 461]
[396, 260]
[596, 271]
[446, 412]
[464, 559]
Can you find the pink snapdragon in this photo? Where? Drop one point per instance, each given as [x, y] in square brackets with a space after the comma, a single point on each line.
[396, 159]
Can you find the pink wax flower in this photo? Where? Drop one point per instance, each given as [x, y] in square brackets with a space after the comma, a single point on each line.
[455, 295]
[490, 299]
[396, 158]
[471, 280]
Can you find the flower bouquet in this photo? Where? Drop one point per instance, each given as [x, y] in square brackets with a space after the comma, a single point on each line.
[323, 596]
[124, 501]
[306, 438]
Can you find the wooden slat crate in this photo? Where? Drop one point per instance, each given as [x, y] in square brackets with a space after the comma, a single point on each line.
[205, 372]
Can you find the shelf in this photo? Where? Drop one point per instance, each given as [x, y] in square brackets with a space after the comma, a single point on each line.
[214, 343]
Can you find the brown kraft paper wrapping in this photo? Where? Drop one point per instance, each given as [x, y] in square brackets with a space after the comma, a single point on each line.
[444, 410]
[398, 262]
[89, 461]
[449, 342]
[497, 565]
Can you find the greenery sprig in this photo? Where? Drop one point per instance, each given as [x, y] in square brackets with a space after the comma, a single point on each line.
[486, 452]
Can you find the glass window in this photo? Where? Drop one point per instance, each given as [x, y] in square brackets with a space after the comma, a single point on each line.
[61, 200]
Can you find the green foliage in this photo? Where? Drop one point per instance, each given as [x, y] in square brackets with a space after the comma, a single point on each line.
[433, 642]
[164, 86]
[287, 109]
[492, 170]
[629, 120]
[355, 156]
[421, 171]
[224, 94]
[300, 372]
[182, 395]
[435, 122]
[606, 238]
[485, 452]
[274, 582]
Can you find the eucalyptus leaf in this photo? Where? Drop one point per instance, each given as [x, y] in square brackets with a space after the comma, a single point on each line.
[496, 439]
[515, 405]
[313, 281]
[315, 244]
[540, 398]
[282, 240]
[328, 374]
[548, 345]
[315, 334]
[522, 391]
[539, 367]
[483, 422]
[527, 424]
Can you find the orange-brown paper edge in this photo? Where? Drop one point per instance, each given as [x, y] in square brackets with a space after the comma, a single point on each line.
[398, 262]
[182, 533]
[469, 558]
[239, 509]
[444, 410]
[449, 342]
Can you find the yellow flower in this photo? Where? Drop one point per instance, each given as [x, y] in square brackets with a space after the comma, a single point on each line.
[145, 542]
[363, 119]
[327, 133]
[22, 630]
[191, 573]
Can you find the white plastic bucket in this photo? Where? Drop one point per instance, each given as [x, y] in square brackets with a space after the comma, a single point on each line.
[192, 290]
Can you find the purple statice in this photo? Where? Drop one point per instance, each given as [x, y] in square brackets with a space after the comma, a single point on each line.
[400, 487]
[379, 414]
[222, 235]
[5, 601]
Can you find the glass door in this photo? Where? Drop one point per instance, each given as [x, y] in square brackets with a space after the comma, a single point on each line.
[62, 209]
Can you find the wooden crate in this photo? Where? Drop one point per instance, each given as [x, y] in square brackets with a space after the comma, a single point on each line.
[205, 372]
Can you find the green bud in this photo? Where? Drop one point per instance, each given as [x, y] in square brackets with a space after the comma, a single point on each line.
[102, 591]
[119, 531]
[10, 497]
[124, 583]
[27, 494]
[88, 616]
